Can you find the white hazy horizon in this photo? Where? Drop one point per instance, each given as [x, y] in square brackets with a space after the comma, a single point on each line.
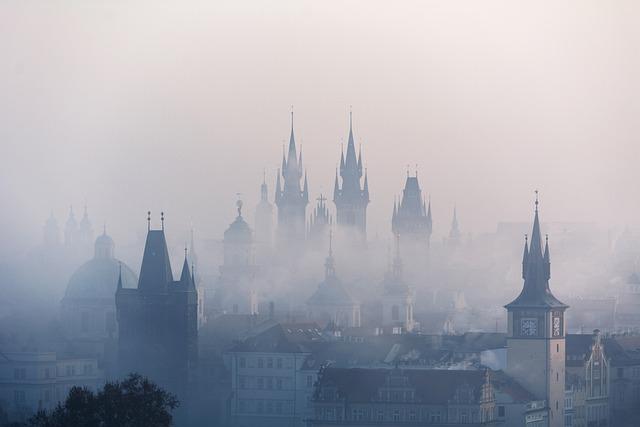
[178, 106]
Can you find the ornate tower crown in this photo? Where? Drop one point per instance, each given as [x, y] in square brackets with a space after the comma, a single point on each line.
[536, 272]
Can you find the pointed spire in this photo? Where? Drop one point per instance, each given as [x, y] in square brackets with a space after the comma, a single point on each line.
[336, 188]
[547, 260]
[119, 276]
[148, 220]
[360, 159]
[305, 189]
[185, 276]
[329, 269]
[535, 248]
[341, 157]
[278, 187]
[525, 256]
[366, 186]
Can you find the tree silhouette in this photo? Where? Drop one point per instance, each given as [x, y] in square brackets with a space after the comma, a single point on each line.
[134, 402]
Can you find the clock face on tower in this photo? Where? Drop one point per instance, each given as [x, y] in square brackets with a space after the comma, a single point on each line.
[529, 327]
[556, 322]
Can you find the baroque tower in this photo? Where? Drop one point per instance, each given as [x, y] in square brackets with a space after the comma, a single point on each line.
[351, 198]
[291, 199]
[536, 330]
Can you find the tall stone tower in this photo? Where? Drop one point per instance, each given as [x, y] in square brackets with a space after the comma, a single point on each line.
[351, 198]
[290, 199]
[412, 217]
[158, 320]
[536, 330]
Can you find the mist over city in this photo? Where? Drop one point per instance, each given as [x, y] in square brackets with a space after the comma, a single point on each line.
[299, 213]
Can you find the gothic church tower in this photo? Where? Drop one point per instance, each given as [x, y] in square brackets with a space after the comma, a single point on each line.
[351, 198]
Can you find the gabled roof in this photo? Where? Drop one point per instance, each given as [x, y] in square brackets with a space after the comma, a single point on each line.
[331, 292]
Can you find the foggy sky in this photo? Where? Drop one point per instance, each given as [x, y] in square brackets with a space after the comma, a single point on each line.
[178, 106]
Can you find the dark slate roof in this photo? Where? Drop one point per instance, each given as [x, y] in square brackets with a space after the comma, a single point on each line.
[281, 338]
[578, 349]
[155, 272]
[623, 350]
[431, 386]
[536, 273]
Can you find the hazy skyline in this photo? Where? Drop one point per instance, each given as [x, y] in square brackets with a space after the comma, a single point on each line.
[143, 105]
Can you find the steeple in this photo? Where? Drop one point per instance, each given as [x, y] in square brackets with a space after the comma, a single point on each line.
[119, 276]
[186, 278]
[264, 197]
[536, 271]
[351, 198]
[290, 198]
[454, 233]
[329, 268]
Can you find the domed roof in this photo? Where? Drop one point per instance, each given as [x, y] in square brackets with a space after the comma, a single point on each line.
[98, 278]
[104, 240]
[238, 231]
[331, 292]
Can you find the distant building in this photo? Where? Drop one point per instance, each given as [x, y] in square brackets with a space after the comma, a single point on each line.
[588, 381]
[351, 198]
[269, 387]
[536, 331]
[397, 299]
[88, 309]
[624, 389]
[158, 320]
[627, 309]
[331, 302]
[235, 291]
[392, 397]
[33, 381]
[291, 199]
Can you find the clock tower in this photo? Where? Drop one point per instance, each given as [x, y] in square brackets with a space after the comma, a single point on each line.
[536, 330]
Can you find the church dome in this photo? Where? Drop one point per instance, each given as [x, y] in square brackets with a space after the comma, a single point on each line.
[98, 278]
[239, 231]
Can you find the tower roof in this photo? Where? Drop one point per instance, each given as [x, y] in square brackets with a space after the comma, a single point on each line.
[537, 272]
[155, 272]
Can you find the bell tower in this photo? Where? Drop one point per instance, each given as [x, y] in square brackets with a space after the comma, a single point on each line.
[536, 330]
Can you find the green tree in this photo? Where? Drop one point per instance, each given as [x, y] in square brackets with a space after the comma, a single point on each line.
[134, 402]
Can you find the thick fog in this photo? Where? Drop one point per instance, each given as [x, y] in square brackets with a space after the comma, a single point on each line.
[181, 108]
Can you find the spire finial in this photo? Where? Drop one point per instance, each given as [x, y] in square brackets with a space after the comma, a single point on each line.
[185, 250]
[537, 201]
[350, 118]
[291, 116]
[526, 238]
[148, 220]
[408, 170]
[162, 219]
[239, 205]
